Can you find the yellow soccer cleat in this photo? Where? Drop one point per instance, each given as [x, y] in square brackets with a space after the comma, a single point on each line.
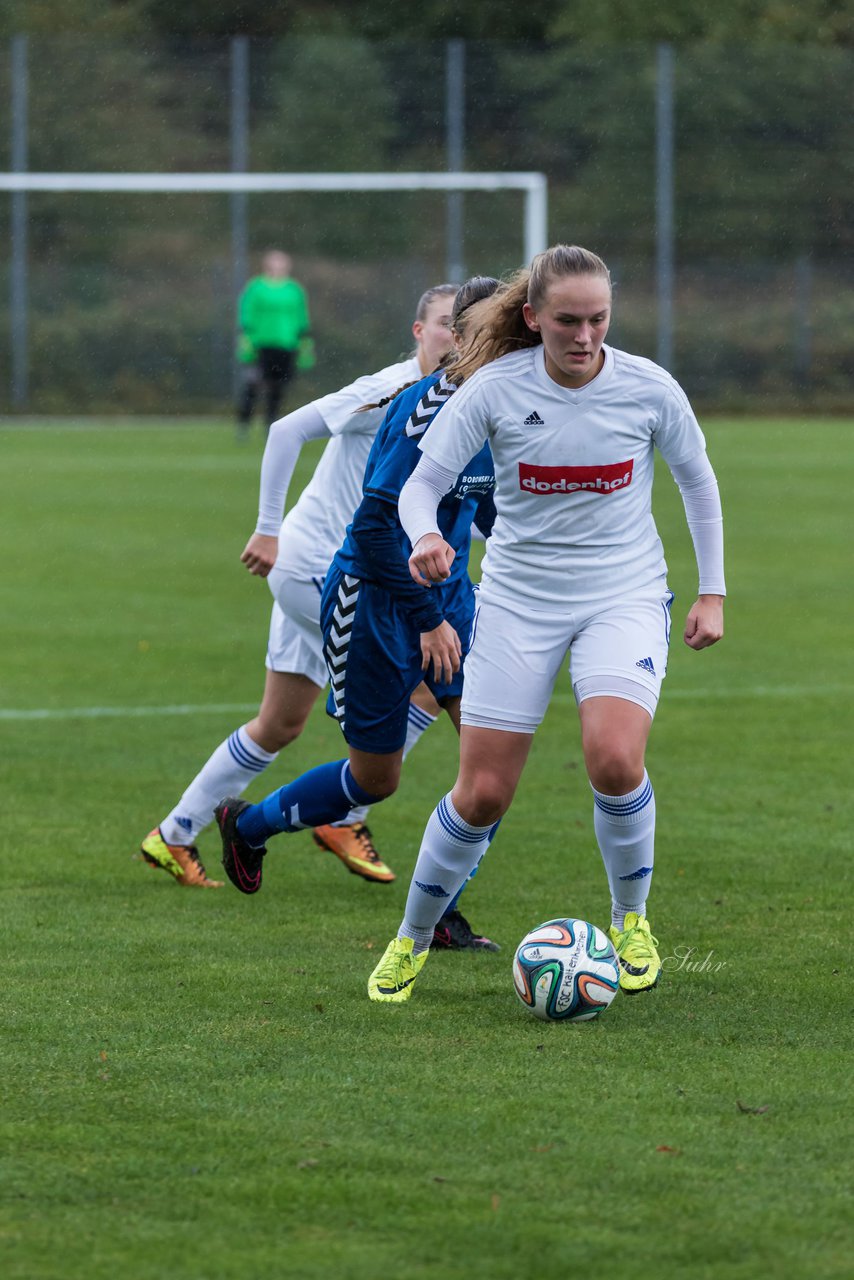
[640, 963]
[354, 845]
[181, 861]
[393, 977]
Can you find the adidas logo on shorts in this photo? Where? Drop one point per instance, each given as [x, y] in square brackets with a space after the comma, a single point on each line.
[533, 420]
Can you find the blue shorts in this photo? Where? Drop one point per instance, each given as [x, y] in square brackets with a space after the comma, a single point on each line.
[373, 655]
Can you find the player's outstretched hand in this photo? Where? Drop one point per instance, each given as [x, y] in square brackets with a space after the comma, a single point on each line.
[441, 650]
[431, 560]
[705, 623]
[259, 554]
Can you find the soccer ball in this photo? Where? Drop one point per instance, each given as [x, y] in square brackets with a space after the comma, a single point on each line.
[566, 971]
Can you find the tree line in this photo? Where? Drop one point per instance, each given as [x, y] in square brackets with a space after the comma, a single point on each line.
[763, 168]
[822, 22]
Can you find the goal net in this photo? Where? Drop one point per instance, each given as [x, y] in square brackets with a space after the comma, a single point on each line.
[123, 285]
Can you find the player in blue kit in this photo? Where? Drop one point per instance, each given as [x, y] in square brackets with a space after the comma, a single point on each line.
[372, 618]
[383, 634]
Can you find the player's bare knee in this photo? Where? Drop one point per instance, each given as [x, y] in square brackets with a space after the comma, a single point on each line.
[382, 790]
[274, 733]
[482, 800]
[289, 729]
[379, 782]
[614, 771]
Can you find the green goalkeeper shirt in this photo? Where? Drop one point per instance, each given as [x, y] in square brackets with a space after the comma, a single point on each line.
[273, 313]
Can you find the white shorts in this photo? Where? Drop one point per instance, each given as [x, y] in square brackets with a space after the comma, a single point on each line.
[616, 649]
[295, 644]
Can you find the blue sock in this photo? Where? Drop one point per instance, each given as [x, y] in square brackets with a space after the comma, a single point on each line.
[322, 795]
[453, 903]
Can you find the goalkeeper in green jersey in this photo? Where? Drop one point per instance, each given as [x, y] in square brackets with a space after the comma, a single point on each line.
[274, 337]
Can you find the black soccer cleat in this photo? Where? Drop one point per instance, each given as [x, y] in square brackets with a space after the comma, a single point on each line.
[243, 864]
[454, 933]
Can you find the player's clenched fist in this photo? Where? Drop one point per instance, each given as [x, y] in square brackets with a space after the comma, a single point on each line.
[431, 560]
[705, 622]
[259, 554]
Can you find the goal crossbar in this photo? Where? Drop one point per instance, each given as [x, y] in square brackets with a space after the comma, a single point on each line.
[534, 185]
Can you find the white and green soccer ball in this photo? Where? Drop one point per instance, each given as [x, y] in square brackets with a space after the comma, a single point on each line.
[566, 970]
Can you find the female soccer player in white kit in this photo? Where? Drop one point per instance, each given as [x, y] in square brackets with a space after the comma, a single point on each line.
[574, 566]
[296, 553]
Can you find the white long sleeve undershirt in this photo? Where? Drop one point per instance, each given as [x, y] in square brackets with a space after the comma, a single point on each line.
[287, 436]
[420, 497]
[697, 483]
[701, 498]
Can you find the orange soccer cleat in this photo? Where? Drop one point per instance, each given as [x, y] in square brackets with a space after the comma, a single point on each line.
[181, 861]
[355, 847]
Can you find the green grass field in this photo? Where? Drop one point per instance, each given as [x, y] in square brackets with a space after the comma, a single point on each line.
[195, 1086]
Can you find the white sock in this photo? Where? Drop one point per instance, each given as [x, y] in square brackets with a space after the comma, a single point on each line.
[416, 724]
[450, 848]
[227, 773]
[418, 721]
[355, 815]
[625, 829]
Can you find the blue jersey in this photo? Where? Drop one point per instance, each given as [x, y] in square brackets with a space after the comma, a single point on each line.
[369, 545]
[372, 613]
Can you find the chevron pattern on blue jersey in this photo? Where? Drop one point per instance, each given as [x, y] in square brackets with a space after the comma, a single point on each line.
[336, 648]
[428, 406]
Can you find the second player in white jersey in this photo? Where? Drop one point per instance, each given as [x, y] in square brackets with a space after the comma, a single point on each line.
[313, 529]
[295, 553]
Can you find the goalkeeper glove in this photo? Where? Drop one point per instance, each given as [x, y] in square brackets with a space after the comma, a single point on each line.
[306, 354]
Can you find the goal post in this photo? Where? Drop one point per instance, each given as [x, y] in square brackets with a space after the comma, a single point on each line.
[534, 186]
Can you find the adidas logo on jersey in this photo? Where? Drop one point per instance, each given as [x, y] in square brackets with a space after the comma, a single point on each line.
[533, 420]
[646, 665]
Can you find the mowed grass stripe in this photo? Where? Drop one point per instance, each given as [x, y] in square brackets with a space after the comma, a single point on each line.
[12, 714]
[102, 713]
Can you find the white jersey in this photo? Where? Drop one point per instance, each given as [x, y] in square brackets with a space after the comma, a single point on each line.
[314, 528]
[573, 471]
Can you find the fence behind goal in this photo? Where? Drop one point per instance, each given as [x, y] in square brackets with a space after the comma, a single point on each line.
[729, 171]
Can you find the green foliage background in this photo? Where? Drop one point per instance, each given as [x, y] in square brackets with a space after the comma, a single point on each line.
[131, 296]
